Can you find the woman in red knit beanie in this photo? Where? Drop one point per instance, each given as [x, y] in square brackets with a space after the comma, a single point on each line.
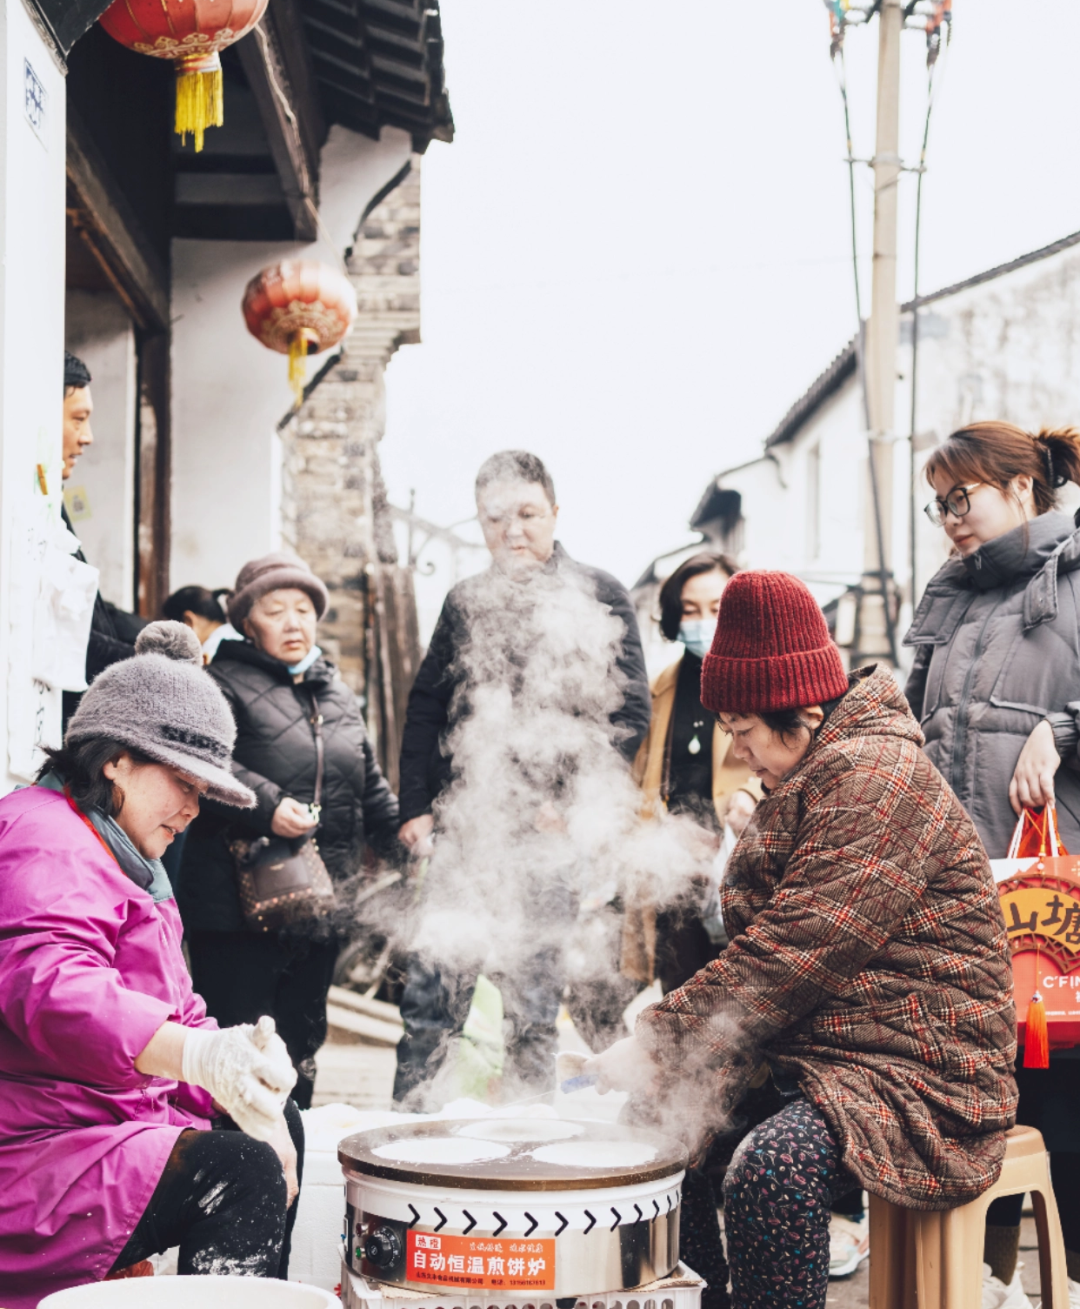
[867, 973]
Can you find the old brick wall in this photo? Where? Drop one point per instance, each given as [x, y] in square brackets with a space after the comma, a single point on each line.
[333, 499]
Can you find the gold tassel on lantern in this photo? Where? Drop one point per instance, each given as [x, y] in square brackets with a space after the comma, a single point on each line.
[200, 101]
[298, 352]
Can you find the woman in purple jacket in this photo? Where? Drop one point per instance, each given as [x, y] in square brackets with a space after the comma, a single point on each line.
[111, 1075]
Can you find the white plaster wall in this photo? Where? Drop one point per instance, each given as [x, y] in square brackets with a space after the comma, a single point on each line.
[99, 331]
[228, 391]
[32, 183]
[1007, 349]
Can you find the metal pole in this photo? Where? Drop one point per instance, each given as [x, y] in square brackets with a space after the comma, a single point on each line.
[882, 338]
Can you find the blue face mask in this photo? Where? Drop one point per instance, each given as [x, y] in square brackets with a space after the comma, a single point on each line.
[697, 635]
[305, 663]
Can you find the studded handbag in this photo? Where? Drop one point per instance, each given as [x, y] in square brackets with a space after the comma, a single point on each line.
[283, 882]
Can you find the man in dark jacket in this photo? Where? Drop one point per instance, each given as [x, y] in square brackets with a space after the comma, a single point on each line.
[517, 511]
[112, 630]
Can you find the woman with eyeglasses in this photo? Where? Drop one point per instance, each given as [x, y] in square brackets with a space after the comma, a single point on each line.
[996, 687]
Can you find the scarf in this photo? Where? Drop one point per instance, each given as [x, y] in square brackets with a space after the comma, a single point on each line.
[149, 875]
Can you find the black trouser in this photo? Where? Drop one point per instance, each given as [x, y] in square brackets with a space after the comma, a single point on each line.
[221, 1199]
[243, 975]
[1048, 1100]
[1065, 1178]
[531, 975]
[435, 1007]
[683, 947]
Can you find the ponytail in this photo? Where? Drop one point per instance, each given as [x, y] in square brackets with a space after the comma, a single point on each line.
[1061, 451]
[197, 600]
[996, 452]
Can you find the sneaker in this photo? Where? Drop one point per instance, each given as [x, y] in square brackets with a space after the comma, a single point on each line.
[1074, 1294]
[849, 1244]
[996, 1295]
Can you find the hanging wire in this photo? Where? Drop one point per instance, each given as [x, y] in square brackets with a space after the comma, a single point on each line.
[838, 10]
[941, 20]
[837, 25]
[840, 69]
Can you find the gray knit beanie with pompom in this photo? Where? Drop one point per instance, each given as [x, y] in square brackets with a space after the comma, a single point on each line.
[163, 704]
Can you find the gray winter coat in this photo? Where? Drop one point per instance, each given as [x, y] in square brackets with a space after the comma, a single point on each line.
[997, 650]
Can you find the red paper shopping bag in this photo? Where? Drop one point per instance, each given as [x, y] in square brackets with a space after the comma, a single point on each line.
[1039, 886]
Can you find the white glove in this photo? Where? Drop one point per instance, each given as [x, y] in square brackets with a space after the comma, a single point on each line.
[246, 1069]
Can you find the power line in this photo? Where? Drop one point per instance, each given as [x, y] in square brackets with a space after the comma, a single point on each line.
[840, 67]
[943, 17]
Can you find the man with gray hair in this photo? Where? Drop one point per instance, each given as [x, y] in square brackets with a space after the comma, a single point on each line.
[534, 684]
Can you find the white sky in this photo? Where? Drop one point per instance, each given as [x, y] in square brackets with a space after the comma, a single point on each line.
[636, 254]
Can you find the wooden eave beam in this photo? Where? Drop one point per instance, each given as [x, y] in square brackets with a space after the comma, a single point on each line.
[404, 13]
[104, 220]
[364, 94]
[350, 69]
[290, 113]
[292, 41]
[334, 34]
[67, 20]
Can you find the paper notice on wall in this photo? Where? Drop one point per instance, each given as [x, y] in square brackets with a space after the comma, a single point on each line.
[63, 613]
[51, 602]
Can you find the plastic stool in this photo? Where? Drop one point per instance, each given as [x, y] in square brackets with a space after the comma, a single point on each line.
[934, 1260]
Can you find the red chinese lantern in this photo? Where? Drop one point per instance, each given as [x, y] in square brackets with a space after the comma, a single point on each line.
[191, 33]
[299, 308]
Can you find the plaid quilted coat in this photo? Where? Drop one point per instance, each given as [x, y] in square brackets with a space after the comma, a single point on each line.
[868, 960]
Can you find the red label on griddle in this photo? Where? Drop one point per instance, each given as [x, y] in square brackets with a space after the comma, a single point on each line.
[496, 1265]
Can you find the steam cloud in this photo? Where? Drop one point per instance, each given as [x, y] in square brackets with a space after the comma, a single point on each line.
[542, 813]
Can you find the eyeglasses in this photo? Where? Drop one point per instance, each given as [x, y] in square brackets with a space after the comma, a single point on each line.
[957, 503]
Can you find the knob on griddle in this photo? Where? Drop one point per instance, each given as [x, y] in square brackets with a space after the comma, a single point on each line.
[382, 1247]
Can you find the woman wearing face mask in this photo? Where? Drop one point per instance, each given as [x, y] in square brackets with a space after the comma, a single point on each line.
[868, 965]
[996, 686]
[686, 765]
[280, 687]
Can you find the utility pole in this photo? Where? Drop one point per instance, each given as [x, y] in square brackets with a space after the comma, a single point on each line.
[877, 637]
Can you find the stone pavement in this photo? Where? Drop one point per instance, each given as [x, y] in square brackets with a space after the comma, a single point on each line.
[360, 1075]
[852, 1292]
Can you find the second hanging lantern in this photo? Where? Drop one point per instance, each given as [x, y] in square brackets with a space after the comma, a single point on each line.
[299, 307]
[192, 33]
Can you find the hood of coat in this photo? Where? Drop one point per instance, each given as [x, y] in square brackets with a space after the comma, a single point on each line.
[322, 671]
[1022, 552]
[873, 706]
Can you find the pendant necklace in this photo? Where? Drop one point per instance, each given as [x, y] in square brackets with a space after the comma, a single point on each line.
[695, 745]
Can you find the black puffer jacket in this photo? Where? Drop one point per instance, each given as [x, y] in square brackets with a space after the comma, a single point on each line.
[275, 756]
[426, 764]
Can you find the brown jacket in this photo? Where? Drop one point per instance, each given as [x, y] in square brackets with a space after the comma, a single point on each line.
[868, 960]
[728, 776]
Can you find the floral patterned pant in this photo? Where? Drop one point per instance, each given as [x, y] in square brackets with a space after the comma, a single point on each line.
[777, 1196]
